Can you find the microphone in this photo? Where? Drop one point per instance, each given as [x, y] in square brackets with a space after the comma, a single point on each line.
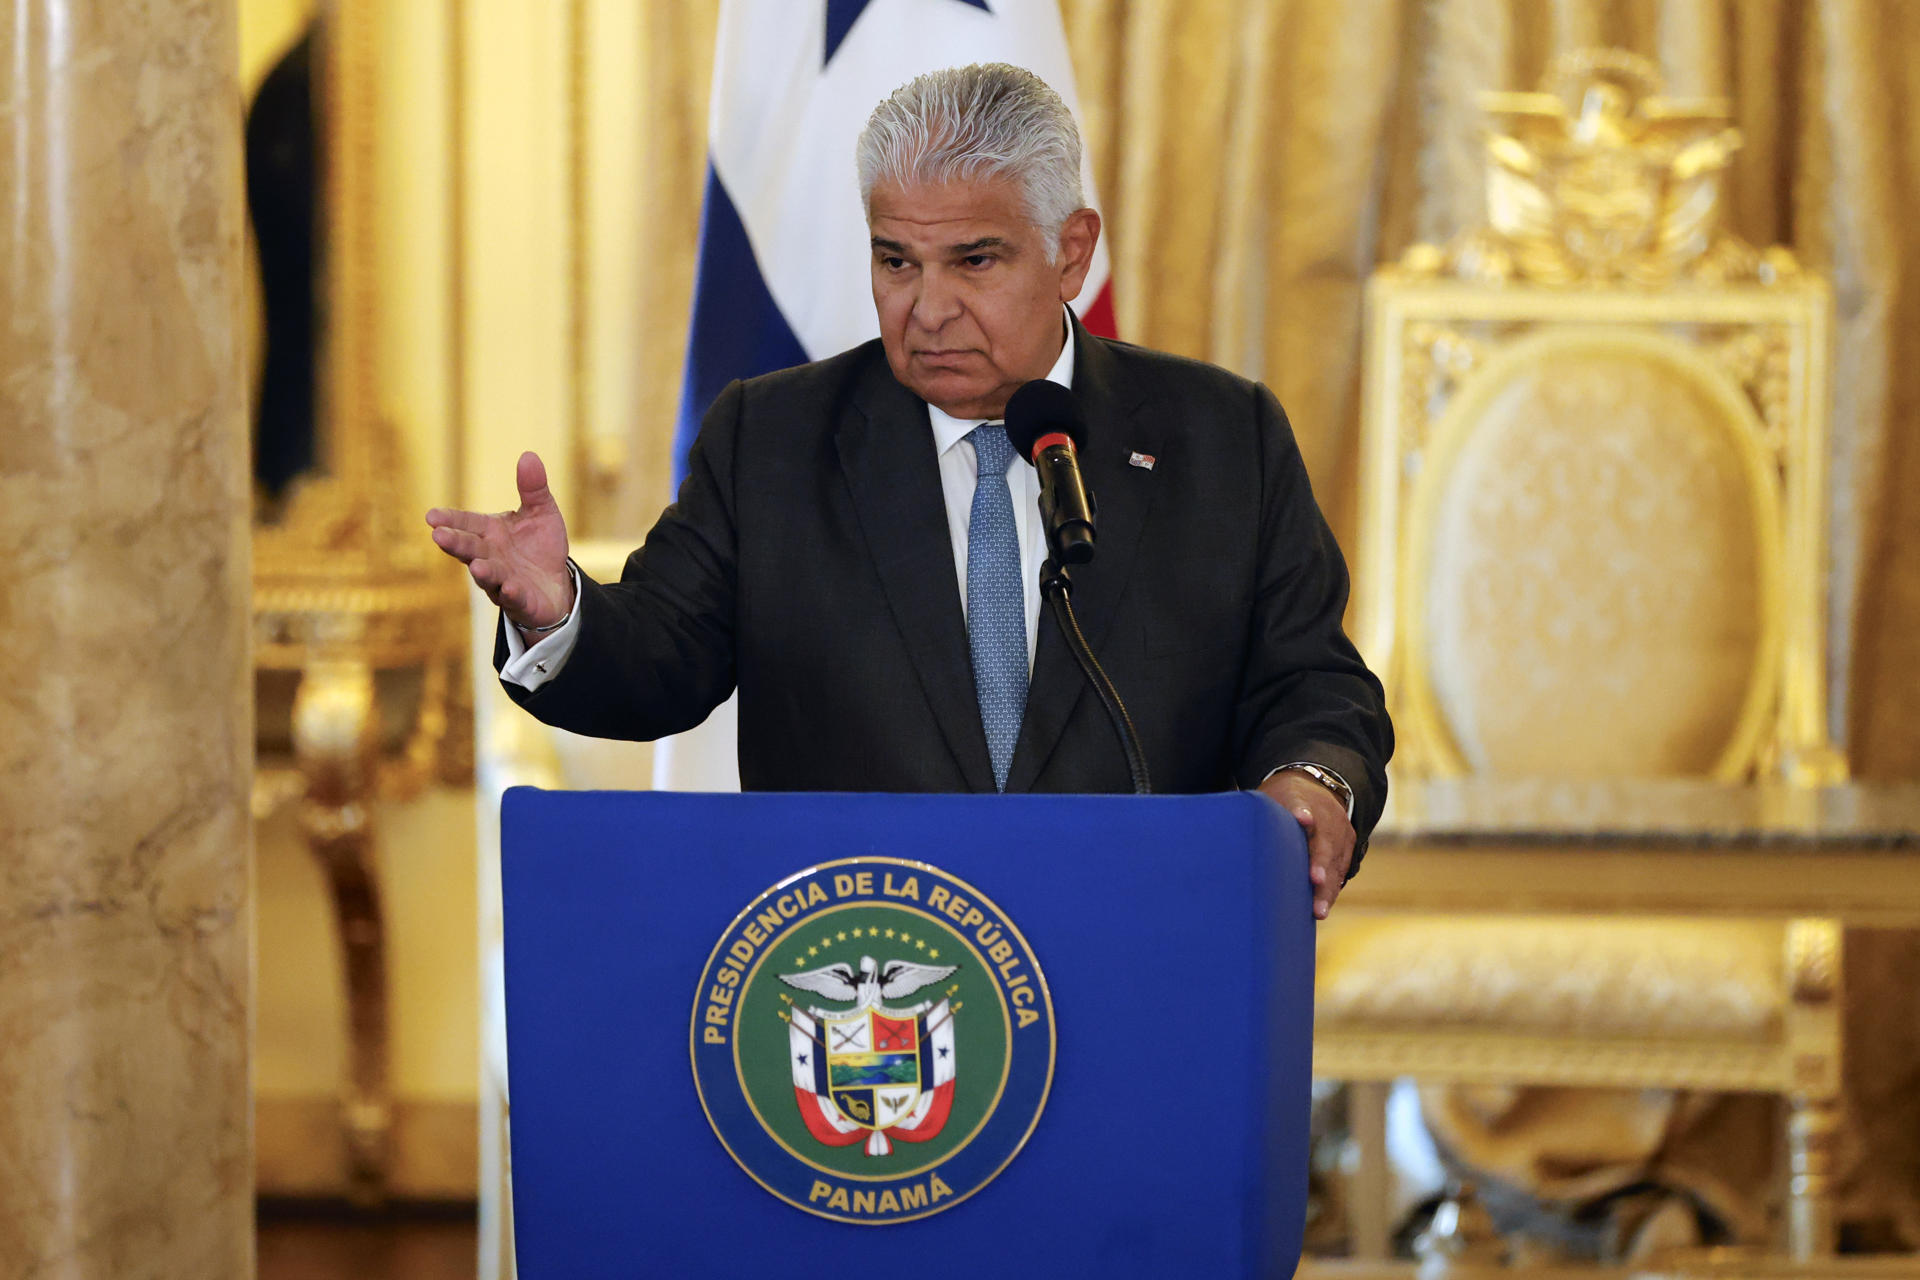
[1045, 426]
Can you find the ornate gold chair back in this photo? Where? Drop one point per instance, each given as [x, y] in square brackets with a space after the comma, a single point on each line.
[1593, 537]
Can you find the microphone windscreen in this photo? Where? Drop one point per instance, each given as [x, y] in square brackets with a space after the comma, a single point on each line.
[1042, 408]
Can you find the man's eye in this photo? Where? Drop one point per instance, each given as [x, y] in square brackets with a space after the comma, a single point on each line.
[978, 259]
[892, 263]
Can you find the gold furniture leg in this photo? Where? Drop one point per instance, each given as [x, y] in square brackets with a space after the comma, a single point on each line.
[1812, 1127]
[1371, 1185]
[334, 727]
[1814, 1116]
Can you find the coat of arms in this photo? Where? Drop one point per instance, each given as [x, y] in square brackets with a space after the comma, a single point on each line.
[827, 1040]
[873, 1070]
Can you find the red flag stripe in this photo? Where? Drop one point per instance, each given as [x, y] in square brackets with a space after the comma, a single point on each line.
[931, 1123]
[1099, 317]
[810, 1104]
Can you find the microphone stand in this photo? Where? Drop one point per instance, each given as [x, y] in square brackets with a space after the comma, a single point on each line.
[1057, 588]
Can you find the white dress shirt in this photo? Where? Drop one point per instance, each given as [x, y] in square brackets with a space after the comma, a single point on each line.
[531, 666]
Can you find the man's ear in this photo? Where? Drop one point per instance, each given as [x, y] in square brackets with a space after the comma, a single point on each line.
[1078, 235]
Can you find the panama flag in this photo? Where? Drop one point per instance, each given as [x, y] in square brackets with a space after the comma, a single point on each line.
[783, 271]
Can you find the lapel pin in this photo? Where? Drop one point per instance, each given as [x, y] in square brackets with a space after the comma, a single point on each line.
[1144, 461]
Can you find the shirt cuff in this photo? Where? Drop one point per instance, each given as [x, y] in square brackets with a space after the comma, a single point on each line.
[1295, 764]
[531, 666]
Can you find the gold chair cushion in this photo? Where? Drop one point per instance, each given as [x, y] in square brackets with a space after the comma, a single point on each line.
[1593, 604]
[1524, 975]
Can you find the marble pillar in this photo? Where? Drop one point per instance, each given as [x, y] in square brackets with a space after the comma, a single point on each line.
[125, 712]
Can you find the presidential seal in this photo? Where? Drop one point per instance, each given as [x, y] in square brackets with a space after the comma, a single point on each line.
[872, 1040]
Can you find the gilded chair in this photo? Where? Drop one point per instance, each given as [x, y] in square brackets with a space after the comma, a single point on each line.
[1592, 547]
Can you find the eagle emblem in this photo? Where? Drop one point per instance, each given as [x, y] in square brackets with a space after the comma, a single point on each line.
[876, 1071]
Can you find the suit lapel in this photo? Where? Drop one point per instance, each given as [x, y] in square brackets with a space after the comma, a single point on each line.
[885, 444]
[1123, 494]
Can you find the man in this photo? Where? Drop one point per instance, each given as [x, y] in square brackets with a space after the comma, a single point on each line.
[857, 549]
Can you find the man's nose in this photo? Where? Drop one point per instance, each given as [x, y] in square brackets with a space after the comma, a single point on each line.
[937, 302]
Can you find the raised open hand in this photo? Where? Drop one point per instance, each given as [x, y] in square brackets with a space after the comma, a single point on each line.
[519, 558]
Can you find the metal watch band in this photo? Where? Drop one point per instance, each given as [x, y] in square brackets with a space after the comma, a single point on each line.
[1326, 778]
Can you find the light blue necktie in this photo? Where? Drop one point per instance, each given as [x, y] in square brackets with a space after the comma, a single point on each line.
[996, 601]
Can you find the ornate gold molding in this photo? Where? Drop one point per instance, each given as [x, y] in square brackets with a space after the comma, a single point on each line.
[1813, 960]
[1492, 1058]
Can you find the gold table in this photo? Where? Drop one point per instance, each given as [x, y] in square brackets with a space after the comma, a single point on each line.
[1646, 848]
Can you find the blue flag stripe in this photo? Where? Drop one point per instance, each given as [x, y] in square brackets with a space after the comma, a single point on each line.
[842, 14]
[737, 330]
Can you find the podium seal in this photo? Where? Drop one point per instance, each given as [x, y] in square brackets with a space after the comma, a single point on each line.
[872, 1040]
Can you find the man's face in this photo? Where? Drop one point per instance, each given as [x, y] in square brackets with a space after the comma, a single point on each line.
[969, 305]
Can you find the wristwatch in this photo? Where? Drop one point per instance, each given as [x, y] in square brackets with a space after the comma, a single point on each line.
[1326, 778]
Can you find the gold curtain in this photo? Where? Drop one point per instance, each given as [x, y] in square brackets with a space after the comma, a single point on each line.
[1257, 159]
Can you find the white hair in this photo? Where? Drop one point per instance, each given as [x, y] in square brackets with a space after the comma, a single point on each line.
[989, 120]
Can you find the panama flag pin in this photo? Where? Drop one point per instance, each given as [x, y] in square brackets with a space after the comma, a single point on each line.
[1142, 460]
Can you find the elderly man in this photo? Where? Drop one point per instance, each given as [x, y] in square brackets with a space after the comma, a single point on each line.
[856, 547]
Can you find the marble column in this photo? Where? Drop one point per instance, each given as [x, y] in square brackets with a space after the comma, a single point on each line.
[125, 711]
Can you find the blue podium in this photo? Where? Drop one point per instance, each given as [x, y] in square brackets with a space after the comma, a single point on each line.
[949, 1036]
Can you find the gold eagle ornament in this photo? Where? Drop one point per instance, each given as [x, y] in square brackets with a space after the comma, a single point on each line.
[1598, 178]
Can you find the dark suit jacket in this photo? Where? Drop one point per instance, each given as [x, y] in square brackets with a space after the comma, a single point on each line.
[808, 561]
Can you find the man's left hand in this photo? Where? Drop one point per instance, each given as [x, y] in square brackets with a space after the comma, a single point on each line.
[1330, 837]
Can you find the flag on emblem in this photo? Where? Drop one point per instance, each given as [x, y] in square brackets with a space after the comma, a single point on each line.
[782, 276]
[869, 1077]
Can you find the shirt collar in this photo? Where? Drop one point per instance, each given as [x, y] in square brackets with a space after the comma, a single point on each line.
[949, 431]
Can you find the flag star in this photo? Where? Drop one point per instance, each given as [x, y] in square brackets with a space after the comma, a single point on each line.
[842, 935]
[826, 942]
[905, 936]
[943, 1051]
[920, 945]
[856, 933]
[813, 951]
[889, 933]
[934, 954]
[801, 1059]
